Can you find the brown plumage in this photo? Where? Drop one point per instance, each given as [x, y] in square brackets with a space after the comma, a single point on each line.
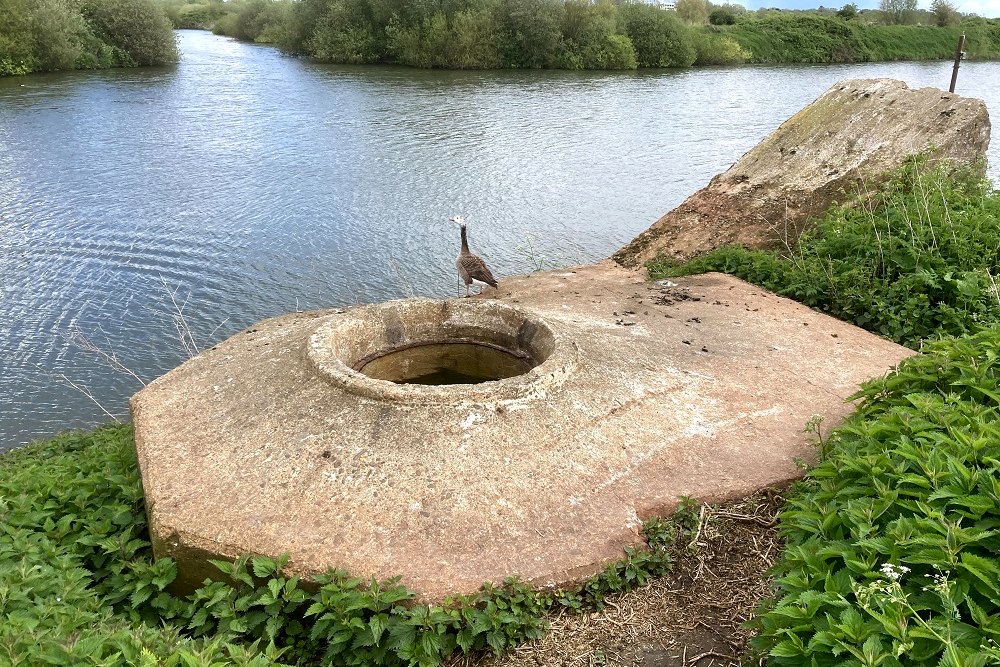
[471, 267]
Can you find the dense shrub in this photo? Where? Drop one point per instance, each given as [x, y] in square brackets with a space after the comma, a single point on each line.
[49, 35]
[722, 16]
[800, 38]
[532, 32]
[194, 14]
[345, 33]
[915, 259]
[659, 38]
[592, 40]
[714, 49]
[572, 34]
[74, 555]
[893, 555]
[138, 28]
[793, 37]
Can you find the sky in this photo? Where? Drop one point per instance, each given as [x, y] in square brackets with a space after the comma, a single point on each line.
[989, 8]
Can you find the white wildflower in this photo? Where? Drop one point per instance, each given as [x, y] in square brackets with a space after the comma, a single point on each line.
[894, 572]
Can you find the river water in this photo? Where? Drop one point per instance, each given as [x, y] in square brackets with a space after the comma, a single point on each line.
[244, 183]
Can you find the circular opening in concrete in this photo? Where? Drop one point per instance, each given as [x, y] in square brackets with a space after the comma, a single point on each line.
[422, 350]
[447, 362]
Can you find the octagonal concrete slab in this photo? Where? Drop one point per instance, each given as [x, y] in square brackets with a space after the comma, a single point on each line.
[700, 389]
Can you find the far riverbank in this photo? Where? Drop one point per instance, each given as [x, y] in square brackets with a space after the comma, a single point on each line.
[562, 34]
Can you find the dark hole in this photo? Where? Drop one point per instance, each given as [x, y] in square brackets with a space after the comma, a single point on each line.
[447, 363]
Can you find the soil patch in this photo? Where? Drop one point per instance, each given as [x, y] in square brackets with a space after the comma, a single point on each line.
[692, 617]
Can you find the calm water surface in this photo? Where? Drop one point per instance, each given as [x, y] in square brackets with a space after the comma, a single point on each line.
[244, 183]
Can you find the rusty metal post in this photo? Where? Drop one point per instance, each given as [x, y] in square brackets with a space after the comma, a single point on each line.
[959, 54]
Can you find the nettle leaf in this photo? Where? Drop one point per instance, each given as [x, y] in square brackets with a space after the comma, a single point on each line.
[788, 648]
[264, 567]
[985, 570]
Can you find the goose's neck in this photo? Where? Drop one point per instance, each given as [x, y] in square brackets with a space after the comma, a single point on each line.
[465, 240]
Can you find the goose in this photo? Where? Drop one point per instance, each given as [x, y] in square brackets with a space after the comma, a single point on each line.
[471, 267]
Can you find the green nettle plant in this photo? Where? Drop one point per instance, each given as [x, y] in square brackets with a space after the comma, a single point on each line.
[78, 584]
[893, 542]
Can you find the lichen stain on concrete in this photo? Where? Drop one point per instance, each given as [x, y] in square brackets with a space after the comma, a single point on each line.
[250, 448]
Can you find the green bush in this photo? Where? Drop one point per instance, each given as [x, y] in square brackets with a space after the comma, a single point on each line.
[532, 32]
[714, 49]
[722, 16]
[573, 34]
[801, 38]
[660, 39]
[344, 33]
[892, 552]
[74, 556]
[50, 35]
[592, 40]
[17, 49]
[138, 28]
[464, 41]
[914, 260]
[195, 14]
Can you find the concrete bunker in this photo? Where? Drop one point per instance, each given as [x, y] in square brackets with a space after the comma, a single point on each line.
[275, 442]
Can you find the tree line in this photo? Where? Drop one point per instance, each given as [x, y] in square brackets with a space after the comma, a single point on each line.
[49, 35]
[467, 34]
[582, 34]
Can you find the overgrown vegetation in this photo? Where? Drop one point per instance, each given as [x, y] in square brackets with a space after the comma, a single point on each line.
[50, 35]
[78, 584]
[574, 34]
[915, 259]
[893, 547]
[892, 554]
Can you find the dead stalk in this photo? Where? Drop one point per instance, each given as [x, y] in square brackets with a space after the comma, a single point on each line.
[993, 283]
[180, 321]
[81, 340]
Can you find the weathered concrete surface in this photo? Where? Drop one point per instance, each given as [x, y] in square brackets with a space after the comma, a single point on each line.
[857, 129]
[697, 390]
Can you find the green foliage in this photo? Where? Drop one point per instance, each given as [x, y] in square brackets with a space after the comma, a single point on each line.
[848, 12]
[195, 14]
[892, 544]
[659, 38]
[591, 38]
[722, 16]
[73, 556]
[897, 12]
[568, 34]
[344, 33]
[715, 49]
[49, 35]
[532, 32]
[945, 13]
[138, 28]
[692, 11]
[78, 584]
[915, 260]
[262, 21]
[794, 37]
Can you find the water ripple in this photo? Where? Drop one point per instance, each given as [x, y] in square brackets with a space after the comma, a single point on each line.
[248, 183]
